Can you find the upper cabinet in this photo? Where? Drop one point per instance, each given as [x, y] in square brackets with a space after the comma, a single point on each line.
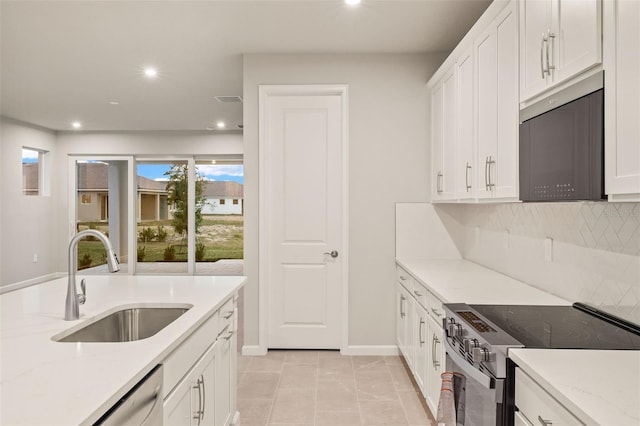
[496, 53]
[474, 113]
[559, 39]
[622, 99]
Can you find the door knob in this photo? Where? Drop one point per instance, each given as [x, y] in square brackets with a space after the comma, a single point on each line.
[332, 253]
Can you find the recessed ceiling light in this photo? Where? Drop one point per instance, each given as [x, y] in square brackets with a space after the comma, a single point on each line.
[150, 72]
[114, 103]
[213, 161]
[352, 2]
[220, 124]
[76, 124]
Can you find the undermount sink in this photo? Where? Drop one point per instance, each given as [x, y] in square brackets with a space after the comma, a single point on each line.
[125, 325]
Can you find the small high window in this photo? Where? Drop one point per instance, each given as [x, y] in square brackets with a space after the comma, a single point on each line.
[34, 179]
[222, 200]
[235, 201]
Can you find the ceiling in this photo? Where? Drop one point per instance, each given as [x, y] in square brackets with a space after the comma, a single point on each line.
[71, 60]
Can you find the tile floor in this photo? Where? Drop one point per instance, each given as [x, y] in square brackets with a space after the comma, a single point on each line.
[325, 388]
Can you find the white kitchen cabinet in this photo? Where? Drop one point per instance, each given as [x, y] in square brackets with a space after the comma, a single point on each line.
[537, 406]
[559, 39]
[622, 99]
[225, 381]
[436, 360]
[405, 324]
[496, 56]
[192, 402]
[465, 179]
[421, 353]
[443, 137]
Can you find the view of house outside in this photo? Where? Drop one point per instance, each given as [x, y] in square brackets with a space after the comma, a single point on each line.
[162, 213]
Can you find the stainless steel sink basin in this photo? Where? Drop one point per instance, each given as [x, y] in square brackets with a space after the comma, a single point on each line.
[125, 325]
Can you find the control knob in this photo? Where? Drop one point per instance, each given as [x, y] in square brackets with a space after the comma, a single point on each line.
[479, 354]
[470, 344]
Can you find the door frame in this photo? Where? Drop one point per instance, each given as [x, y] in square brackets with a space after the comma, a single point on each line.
[264, 93]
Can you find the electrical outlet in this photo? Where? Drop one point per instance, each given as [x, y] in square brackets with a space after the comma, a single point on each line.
[548, 249]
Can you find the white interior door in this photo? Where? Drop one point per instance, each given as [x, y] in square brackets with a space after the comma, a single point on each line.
[302, 142]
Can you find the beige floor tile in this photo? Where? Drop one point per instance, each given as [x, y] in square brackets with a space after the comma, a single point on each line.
[265, 363]
[299, 376]
[393, 360]
[338, 418]
[294, 406]
[376, 390]
[369, 362]
[415, 409]
[258, 385]
[301, 357]
[254, 411]
[382, 413]
[330, 354]
[337, 396]
[335, 368]
[401, 378]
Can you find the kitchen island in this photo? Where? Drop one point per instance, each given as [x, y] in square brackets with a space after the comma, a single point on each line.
[44, 382]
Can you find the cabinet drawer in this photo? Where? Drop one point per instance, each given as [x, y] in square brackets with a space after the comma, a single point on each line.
[420, 293]
[227, 320]
[184, 356]
[536, 405]
[405, 279]
[434, 306]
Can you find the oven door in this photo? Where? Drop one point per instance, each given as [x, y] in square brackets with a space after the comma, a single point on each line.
[483, 392]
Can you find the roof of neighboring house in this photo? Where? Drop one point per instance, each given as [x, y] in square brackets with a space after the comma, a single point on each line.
[223, 189]
[95, 177]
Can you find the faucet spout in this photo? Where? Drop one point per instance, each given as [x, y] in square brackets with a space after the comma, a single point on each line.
[71, 309]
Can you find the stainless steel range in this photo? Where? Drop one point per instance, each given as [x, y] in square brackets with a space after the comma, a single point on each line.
[478, 339]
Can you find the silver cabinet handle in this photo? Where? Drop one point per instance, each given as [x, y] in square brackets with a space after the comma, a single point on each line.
[417, 293]
[436, 313]
[434, 357]
[439, 182]
[228, 336]
[542, 68]
[332, 253]
[229, 315]
[486, 171]
[544, 422]
[420, 332]
[490, 162]
[403, 278]
[466, 177]
[402, 313]
[204, 398]
[199, 414]
[549, 39]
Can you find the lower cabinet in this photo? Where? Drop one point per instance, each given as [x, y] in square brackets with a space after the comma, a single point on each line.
[420, 338]
[200, 375]
[187, 404]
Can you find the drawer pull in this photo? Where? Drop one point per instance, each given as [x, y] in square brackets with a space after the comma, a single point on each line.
[436, 313]
[403, 278]
[229, 315]
[544, 422]
[226, 327]
[417, 293]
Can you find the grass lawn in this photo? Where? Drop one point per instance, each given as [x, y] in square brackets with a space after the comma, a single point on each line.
[221, 237]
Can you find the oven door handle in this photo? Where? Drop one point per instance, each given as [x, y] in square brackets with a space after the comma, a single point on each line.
[468, 369]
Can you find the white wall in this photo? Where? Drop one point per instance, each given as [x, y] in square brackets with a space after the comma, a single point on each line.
[388, 160]
[28, 222]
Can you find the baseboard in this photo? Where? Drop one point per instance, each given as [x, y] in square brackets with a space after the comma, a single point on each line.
[253, 350]
[33, 281]
[377, 350]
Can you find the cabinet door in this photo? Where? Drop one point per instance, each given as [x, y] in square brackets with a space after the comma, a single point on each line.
[535, 22]
[497, 113]
[622, 100]
[421, 334]
[225, 367]
[406, 316]
[465, 155]
[435, 363]
[443, 137]
[192, 400]
[577, 45]
[401, 303]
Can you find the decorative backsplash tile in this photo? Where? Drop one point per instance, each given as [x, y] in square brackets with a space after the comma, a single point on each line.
[596, 248]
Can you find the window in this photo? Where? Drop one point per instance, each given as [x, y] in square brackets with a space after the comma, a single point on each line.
[235, 201]
[34, 179]
[85, 199]
[222, 201]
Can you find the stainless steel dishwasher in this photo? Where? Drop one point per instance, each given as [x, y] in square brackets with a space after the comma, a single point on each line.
[142, 405]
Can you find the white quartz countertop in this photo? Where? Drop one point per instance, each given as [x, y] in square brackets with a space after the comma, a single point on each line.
[44, 382]
[599, 387]
[461, 281]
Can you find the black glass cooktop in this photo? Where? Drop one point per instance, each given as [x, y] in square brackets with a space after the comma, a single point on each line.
[562, 327]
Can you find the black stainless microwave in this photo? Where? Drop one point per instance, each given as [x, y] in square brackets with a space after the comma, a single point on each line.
[562, 152]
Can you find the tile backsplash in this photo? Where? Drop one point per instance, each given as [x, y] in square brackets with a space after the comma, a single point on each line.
[595, 253]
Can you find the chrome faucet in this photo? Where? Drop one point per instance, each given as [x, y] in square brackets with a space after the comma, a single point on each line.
[71, 310]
